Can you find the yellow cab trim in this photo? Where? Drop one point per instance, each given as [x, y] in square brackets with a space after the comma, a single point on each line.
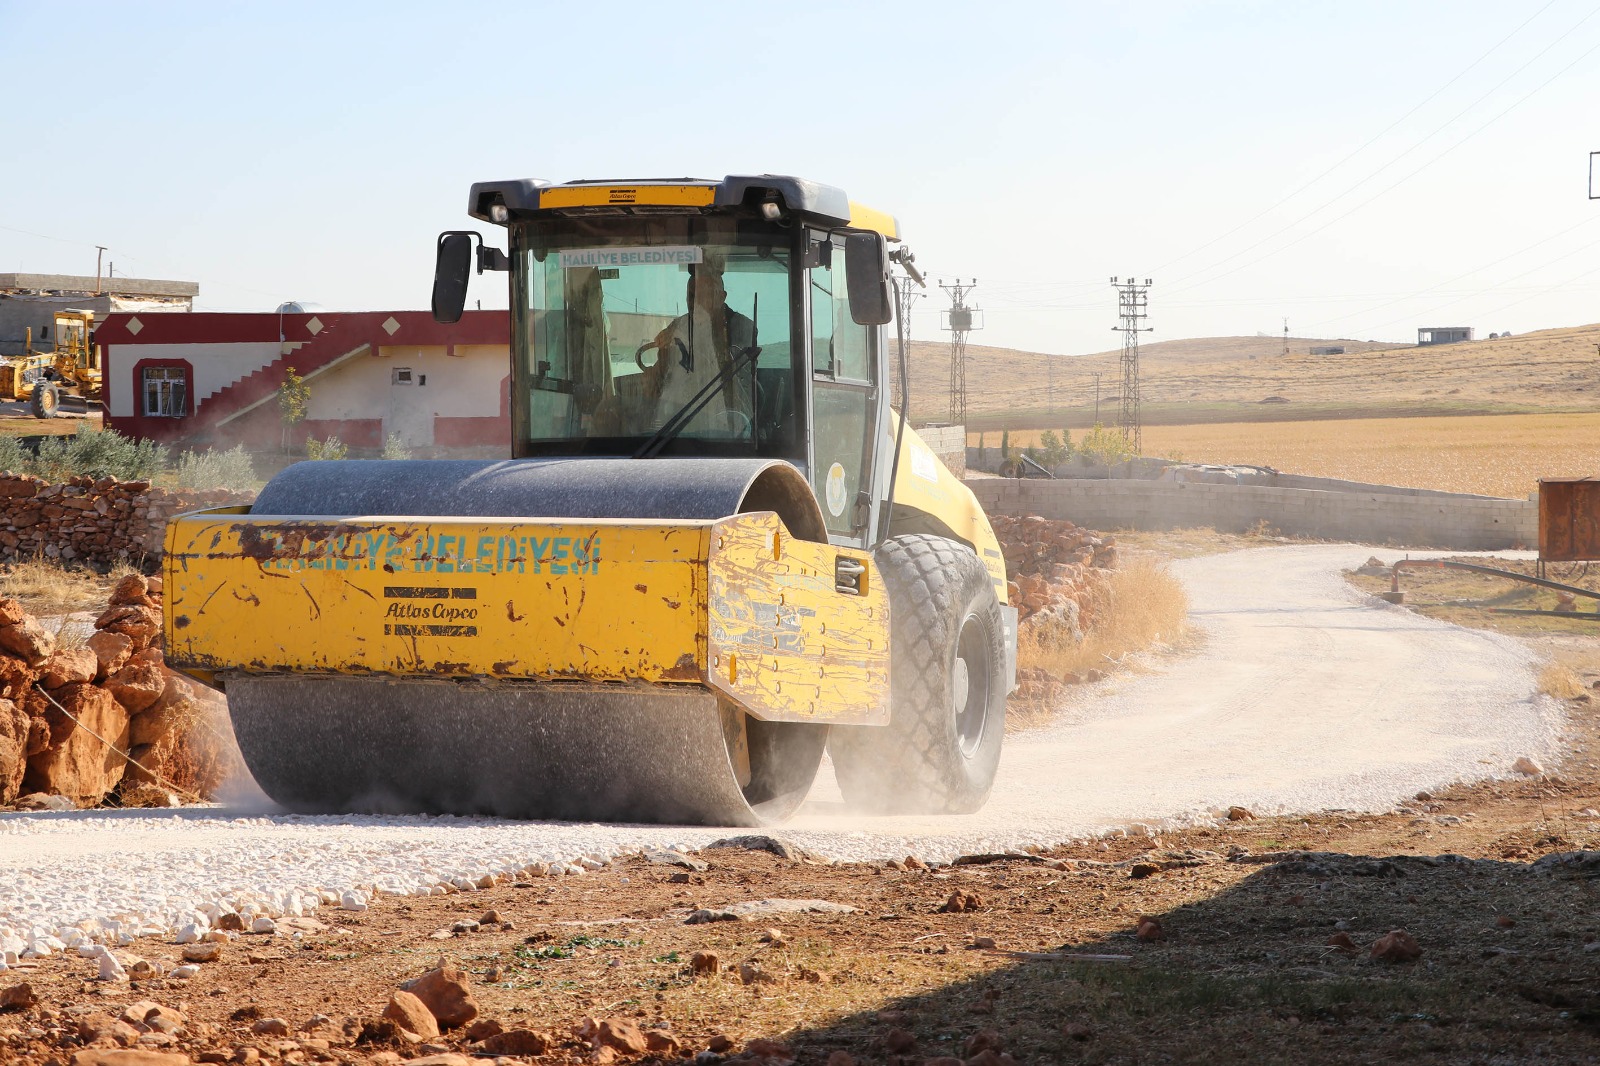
[607, 195]
[863, 217]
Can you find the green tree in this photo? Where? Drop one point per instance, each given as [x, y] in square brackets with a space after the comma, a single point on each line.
[1051, 449]
[1005, 444]
[294, 401]
[1104, 446]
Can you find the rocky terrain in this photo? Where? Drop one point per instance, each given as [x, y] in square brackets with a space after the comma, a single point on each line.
[1056, 568]
[84, 721]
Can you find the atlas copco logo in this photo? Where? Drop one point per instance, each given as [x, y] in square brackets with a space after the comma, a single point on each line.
[441, 612]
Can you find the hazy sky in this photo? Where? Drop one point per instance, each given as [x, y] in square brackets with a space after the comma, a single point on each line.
[1359, 168]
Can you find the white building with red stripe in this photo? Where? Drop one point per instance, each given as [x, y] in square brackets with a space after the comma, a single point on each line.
[198, 380]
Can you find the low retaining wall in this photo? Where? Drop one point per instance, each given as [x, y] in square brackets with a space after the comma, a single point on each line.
[949, 443]
[1410, 518]
[92, 522]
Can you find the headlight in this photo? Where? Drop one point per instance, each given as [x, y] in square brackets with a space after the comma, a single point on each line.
[499, 213]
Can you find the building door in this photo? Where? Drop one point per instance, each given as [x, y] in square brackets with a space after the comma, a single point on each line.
[410, 408]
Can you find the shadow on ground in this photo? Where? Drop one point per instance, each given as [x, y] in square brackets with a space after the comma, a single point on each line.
[1509, 972]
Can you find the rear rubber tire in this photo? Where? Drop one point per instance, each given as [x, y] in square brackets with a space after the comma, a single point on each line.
[939, 752]
[46, 401]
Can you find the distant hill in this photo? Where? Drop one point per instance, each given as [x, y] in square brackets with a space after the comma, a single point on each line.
[1219, 379]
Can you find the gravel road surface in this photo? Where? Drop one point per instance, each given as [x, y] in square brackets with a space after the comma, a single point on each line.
[1303, 695]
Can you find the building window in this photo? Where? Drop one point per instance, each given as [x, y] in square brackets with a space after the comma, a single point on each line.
[166, 391]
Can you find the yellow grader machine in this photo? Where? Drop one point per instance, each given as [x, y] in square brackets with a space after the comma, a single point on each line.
[713, 553]
[70, 365]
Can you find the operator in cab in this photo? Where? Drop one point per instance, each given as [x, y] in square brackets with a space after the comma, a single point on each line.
[694, 349]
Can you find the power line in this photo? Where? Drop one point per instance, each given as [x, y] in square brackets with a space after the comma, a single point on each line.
[1370, 141]
[1476, 270]
[1390, 188]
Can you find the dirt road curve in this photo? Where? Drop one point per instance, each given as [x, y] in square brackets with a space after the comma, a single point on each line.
[1303, 695]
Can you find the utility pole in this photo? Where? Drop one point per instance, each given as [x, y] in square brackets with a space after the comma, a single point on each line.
[1097, 399]
[959, 322]
[1133, 301]
[1286, 336]
[905, 298]
[99, 250]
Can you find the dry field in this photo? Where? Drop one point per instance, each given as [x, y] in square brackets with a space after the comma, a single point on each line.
[1495, 455]
[1237, 379]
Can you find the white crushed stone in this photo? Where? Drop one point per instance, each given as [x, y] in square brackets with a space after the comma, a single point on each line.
[1304, 696]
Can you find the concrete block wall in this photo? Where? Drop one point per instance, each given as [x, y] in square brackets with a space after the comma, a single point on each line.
[1434, 520]
[949, 443]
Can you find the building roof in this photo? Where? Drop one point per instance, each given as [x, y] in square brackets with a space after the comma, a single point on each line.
[79, 284]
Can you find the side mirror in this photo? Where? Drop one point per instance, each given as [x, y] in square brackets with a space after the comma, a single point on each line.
[866, 263]
[452, 266]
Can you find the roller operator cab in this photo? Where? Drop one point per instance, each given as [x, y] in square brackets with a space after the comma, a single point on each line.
[714, 550]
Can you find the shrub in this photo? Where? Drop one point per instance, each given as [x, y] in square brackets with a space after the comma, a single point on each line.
[332, 448]
[395, 448]
[1145, 606]
[99, 453]
[212, 469]
[14, 458]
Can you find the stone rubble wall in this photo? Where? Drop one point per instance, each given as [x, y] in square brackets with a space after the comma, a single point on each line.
[68, 713]
[93, 522]
[1052, 563]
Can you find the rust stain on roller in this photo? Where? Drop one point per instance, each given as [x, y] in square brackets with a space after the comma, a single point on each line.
[685, 669]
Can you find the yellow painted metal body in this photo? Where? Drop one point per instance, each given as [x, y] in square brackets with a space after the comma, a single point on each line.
[736, 604]
[665, 194]
[70, 356]
[647, 193]
[869, 218]
[923, 483]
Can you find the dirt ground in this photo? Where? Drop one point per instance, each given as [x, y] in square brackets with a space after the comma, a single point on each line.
[1248, 941]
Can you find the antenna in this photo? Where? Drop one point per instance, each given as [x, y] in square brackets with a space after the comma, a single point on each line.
[960, 320]
[1133, 301]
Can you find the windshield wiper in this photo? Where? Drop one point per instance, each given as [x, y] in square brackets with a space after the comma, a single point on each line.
[684, 415]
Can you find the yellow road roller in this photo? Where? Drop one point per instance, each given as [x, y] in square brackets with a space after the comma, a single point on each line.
[713, 553]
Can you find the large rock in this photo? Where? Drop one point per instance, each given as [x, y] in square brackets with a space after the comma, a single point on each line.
[11, 612]
[176, 704]
[69, 666]
[138, 685]
[111, 650]
[16, 677]
[140, 624]
[412, 1015]
[132, 590]
[84, 768]
[28, 641]
[38, 735]
[446, 993]
[15, 726]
